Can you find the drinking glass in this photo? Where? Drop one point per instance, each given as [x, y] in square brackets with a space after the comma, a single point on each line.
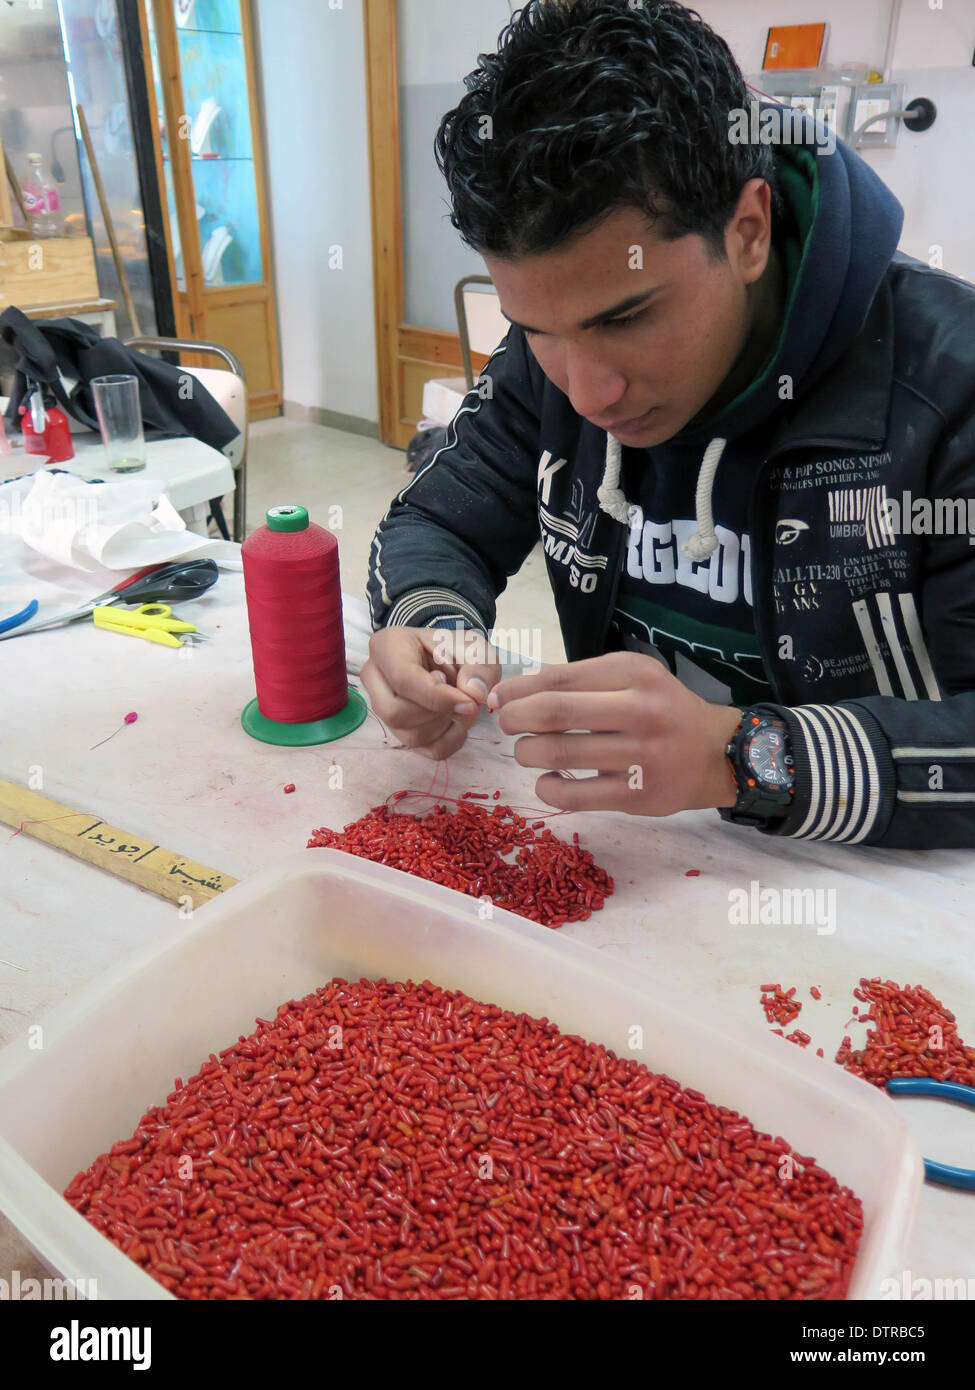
[120, 419]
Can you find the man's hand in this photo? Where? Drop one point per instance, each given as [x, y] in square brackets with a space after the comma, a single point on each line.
[658, 747]
[428, 684]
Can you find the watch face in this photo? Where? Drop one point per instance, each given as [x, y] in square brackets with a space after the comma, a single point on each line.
[769, 760]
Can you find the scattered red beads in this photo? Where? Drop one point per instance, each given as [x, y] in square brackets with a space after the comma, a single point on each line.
[289, 788]
[550, 880]
[779, 1005]
[384, 1140]
[914, 1035]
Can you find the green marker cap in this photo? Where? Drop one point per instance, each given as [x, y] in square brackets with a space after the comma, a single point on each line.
[287, 519]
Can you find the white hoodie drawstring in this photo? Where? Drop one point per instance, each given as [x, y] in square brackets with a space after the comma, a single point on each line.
[704, 541]
[612, 498]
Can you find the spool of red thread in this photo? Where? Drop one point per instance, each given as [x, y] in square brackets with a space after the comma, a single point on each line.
[294, 607]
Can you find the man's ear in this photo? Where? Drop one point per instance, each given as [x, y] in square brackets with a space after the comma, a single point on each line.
[748, 236]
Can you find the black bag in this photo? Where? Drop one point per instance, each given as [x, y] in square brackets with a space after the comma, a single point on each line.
[423, 446]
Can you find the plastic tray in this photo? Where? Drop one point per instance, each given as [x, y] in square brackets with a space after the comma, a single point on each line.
[114, 1050]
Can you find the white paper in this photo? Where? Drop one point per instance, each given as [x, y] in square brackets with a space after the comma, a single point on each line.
[120, 525]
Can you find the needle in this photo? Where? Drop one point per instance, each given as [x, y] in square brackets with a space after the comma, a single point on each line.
[129, 719]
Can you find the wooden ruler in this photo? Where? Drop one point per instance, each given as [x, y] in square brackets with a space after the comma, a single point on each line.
[133, 857]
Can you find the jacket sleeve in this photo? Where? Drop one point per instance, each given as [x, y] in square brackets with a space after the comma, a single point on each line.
[458, 531]
[900, 773]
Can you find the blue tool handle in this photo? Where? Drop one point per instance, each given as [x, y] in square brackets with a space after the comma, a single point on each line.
[23, 616]
[942, 1173]
[922, 1086]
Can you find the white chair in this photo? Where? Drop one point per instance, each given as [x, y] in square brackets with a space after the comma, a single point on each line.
[229, 390]
[480, 322]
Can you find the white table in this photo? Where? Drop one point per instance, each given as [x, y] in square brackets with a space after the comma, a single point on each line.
[187, 775]
[190, 470]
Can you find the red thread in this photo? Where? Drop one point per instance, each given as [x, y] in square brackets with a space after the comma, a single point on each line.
[294, 607]
[43, 821]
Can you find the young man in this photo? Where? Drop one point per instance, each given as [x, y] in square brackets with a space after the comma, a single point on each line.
[719, 395]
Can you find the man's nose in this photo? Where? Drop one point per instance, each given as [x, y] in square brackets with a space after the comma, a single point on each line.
[593, 385]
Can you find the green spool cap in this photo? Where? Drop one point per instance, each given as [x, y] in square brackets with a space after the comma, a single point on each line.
[287, 519]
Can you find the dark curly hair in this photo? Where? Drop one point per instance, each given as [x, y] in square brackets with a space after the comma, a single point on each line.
[593, 105]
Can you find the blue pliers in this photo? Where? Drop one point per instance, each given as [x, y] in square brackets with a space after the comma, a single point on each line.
[23, 616]
[941, 1173]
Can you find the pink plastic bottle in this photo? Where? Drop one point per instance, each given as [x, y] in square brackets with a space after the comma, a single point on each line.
[42, 202]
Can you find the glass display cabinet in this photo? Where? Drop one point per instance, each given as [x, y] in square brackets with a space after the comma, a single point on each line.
[203, 101]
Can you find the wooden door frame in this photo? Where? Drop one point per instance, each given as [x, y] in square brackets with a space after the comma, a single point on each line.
[402, 349]
[188, 302]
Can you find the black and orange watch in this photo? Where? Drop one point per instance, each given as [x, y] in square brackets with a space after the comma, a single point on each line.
[760, 753]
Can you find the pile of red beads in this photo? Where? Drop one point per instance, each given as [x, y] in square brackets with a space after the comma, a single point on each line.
[914, 1035]
[550, 880]
[400, 1141]
[779, 1004]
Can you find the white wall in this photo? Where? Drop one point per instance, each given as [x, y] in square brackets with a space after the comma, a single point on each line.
[313, 73]
[312, 70]
[439, 40]
[926, 37]
[932, 173]
[431, 76]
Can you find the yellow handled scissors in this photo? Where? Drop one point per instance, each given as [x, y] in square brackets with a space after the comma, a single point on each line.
[152, 621]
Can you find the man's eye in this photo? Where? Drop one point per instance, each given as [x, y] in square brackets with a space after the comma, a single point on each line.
[622, 323]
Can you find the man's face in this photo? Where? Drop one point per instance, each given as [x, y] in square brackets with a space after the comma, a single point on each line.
[662, 359]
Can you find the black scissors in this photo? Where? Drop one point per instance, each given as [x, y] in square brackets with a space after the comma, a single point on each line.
[187, 579]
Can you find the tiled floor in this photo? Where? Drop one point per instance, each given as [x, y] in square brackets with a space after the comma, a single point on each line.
[290, 461]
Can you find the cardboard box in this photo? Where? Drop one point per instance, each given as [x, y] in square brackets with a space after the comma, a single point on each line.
[442, 398]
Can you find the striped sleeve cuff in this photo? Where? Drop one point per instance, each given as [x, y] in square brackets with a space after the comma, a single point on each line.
[845, 776]
[429, 607]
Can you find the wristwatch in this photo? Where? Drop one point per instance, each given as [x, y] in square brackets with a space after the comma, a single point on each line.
[760, 753]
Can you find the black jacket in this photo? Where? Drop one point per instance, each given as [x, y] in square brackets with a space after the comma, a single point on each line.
[48, 349]
[865, 619]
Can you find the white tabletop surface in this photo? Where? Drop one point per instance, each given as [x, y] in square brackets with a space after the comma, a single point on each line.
[190, 471]
[187, 775]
